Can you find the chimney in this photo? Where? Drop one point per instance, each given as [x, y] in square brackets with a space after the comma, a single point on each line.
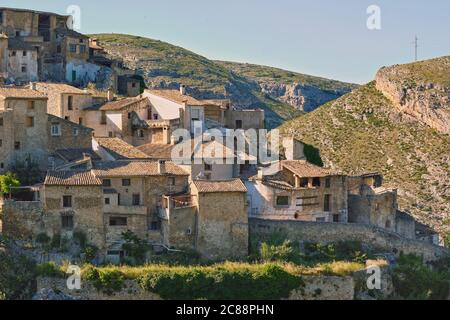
[110, 94]
[183, 89]
[33, 86]
[162, 167]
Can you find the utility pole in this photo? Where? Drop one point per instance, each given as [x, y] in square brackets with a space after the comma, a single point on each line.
[416, 45]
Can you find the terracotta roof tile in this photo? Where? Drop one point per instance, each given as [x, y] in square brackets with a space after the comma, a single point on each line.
[209, 186]
[306, 169]
[119, 149]
[157, 151]
[72, 155]
[20, 92]
[58, 87]
[71, 178]
[176, 96]
[118, 105]
[124, 168]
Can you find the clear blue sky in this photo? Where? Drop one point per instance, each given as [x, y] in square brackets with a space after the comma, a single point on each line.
[322, 37]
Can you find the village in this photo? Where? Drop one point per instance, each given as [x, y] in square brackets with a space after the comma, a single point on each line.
[101, 150]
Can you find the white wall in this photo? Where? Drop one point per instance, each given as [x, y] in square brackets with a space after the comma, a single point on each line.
[166, 109]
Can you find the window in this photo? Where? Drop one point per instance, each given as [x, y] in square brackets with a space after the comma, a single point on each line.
[195, 114]
[107, 182]
[31, 105]
[328, 183]
[103, 118]
[73, 48]
[154, 225]
[70, 102]
[67, 222]
[17, 145]
[320, 219]
[1, 121]
[335, 218]
[283, 201]
[327, 203]
[133, 84]
[56, 129]
[107, 201]
[13, 53]
[17, 33]
[80, 120]
[82, 49]
[136, 199]
[75, 132]
[388, 224]
[24, 68]
[238, 124]
[24, 53]
[316, 182]
[140, 133]
[303, 182]
[58, 49]
[118, 221]
[171, 181]
[66, 118]
[1, 142]
[126, 182]
[155, 116]
[118, 199]
[1, 17]
[208, 167]
[67, 201]
[30, 122]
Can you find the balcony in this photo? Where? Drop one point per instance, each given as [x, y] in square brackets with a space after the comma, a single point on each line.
[171, 204]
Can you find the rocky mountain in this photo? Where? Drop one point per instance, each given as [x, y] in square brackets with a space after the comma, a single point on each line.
[282, 94]
[303, 92]
[395, 125]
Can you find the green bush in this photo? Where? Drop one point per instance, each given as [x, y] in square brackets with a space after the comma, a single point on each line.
[90, 253]
[49, 269]
[414, 280]
[284, 252]
[268, 282]
[80, 238]
[43, 239]
[107, 281]
[135, 248]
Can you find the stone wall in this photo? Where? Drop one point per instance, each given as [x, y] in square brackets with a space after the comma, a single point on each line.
[376, 237]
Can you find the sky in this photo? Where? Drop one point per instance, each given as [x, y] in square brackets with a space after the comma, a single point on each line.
[327, 38]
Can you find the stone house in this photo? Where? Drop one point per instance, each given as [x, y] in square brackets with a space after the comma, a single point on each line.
[22, 60]
[298, 191]
[23, 126]
[212, 219]
[65, 101]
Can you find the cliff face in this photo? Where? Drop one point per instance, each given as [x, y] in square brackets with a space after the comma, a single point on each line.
[398, 126]
[424, 98]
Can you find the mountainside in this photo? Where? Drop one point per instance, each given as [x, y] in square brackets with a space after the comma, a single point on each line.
[303, 92]
[366, 131]
[167, 66]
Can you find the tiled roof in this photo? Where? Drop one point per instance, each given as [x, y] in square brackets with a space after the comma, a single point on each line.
[71, 155]
[208, 149]
[17, 44]
[58, 87]
[119, 149]
[306, 169]
[124, 168]
[176, 96]
[157, 151]
[118, 105]
[20, 92]
[71, 178]
[70, 33]
[209, 186]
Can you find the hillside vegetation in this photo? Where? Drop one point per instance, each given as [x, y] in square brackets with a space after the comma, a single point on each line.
[163, 65]
[362, 131]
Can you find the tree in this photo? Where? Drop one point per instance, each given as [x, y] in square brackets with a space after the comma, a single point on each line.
[8, 182]
[27, 171]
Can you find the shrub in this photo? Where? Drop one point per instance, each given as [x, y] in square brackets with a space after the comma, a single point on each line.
[284, 252]
[80, 238]
[135, 247]
[49, 269]
[90, 253]
[413, 280]
[107, 281]
[8, 182]
[43, 239]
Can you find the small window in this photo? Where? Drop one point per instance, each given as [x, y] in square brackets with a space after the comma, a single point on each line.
[388, 224]
[67, 222]
[320, 219]
[70, 103]
[118, 221]
[17, 33]
[31, 105]
[30, 122]
[335, 218]
[283, 201]
[316, 182]
[154, 225]
[1, 143]
[126, 182]
[103, 117]
[107, 182]
[155, 116]
[82, 49]
[303, 182]
[24, 53]
[107, 201]
[133, 84]
[328, 183]
[67, 201]
[1, 121]
[56, 129]
[67, 118]
[327, 203]
[75, 132]
[171, 181]
[58, 49]
[17, 145]
[238, 124]
[136, 199]
[80, 121]
[24, 69]
[13, 54]
[208, 167]
[73, 48]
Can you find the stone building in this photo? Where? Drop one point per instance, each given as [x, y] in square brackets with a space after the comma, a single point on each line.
[299, 191]
[23, 126]
[212, 219]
